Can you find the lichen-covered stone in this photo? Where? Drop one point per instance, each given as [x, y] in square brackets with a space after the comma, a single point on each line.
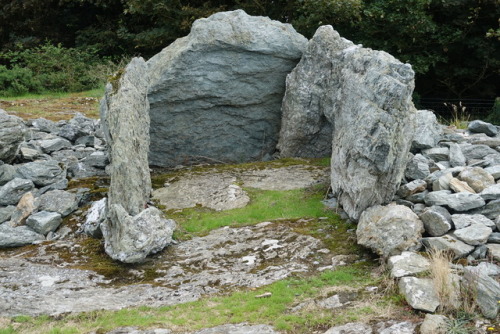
[12, 130]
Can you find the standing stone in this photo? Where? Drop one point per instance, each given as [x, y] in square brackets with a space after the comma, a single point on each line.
[428, 132]
[216, 94]
[131, 232]
[12, 131]
[389, 230]
[373, 121]
[124, 113]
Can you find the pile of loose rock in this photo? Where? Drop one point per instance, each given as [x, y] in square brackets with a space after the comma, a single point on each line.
[450, 201]
[36, 159]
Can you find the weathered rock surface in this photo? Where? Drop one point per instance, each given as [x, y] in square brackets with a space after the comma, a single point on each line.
[17, 236]
[372, 109]
[437, 220]
[44, 222]
[477, 178]
[7, 173]
[60, 201]
[42, 173]
[407, 264]
[434, 324]
[428, 132]
[12, 191]
[475, 234]
[216, 94]
[124, 112]
[487, 291]
[419, 293]
[482, 127]
[350, 328]
[389, 230]
[448, 242]
[12, 131]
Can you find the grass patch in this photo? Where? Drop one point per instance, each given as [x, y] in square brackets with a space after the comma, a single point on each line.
[265, 205]
[232, 308]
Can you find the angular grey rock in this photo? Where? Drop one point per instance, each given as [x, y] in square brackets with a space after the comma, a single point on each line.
[448, 242]
[417, 168]
[434, 324]
[95, 216]
[44, 125]
[419, 293]
[443, 182]
[493, 171]
[463, 201]
[77, 127]
[487, 291]
[7, 173]
[456, 156]
[44, 222]
[437, 153]
[472, 152]
[389, 230]
[487, 268]
[130, 239]
[97, 159]
[464, 220]
[238, 329]
[437, 220]
[483, 127]
[491, 192]
[18, 236]
[368, 157]
[54, 144]
[494, 251]
[475, 234]
[350, 328]
[216, 94]
[428, 132]
[305, 129]
[24, 208]
[12, 130]
[88, 141]
[491, 209]
[407, 264]
[479, 252]
[12, 191]
[477, 178]
[411, 188]
[484, 140]
[124, 113]
[6, 213]
[42, 173]
[494, 238]
[405, 327]
[418, 197]
[29, 154]
[59, 201]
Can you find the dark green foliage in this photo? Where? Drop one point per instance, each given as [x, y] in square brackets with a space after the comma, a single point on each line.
[49, 68]
[494, 116]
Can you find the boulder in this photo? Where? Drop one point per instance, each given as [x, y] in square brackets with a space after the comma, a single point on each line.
[483, 127]
[475, 234]
[389, 230]
[78, 126]
[60, 201]
[44, 222]
[130, 239]
[12, 130]
[44, 125]
[369, 156]
[472, 152]
[407, 264]
[7, 173]
[437, 220]
[124, 113]
[12, 191]
[42, 173]
[487, 291]
[18, 236]
[428, 132]
[434, 324]
[419, 293]
[477, 178]
[448, 242]
[216, 94]
[456, 157]
[417, 168]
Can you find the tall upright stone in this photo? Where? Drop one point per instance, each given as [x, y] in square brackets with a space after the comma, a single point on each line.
[131, 230]
[12, 131]
[366, 97]
[216, 94]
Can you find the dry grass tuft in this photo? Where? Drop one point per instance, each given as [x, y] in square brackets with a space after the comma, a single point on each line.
[441, 276]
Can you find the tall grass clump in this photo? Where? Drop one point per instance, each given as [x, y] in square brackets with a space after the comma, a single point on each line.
[441, 276]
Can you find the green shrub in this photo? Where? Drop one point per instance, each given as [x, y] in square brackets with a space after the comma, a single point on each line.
[51, 68]
[494, 116]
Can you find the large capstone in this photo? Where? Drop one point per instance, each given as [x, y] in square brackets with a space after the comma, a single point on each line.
[216, 94]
